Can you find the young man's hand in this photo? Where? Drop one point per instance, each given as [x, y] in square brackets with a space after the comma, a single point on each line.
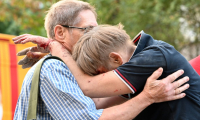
[31, 57]
[57, 49]
[42, 42]
[32, 54]
[166, 89]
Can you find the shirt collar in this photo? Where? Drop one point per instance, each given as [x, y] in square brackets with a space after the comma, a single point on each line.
[142, 40]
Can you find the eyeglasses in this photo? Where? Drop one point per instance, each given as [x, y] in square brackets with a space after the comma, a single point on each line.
[86, 29]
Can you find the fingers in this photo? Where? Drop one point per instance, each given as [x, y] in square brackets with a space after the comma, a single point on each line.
[166, 89]
[26, 50]
[29, 64]
[174, 76]
[156, 74]
[22, 39]
[18, 39]
[181, 89]
[178, 92]
[179, 96]
[23, 61]
[177, 84]
[34, 49]
[42, 42]
[30, 59]
[32, 38]
[35, 55]
[180, 82]
[23, 52]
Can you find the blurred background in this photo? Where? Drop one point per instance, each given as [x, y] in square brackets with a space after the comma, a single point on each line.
[174, 21]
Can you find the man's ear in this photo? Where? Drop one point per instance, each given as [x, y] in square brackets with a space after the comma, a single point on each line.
[60, 32]
[116, 58]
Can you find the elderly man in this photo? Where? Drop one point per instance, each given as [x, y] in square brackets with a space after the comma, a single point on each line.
[60, 96]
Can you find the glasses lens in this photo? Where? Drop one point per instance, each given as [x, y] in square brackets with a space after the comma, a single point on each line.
[87, 29]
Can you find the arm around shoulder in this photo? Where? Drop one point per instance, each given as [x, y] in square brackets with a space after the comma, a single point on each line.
[91, 85]
[154, 91]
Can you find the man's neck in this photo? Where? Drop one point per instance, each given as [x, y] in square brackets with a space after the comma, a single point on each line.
[131, 49]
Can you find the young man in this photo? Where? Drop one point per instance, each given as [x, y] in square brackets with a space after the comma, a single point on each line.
[61, 97]
[107, 48]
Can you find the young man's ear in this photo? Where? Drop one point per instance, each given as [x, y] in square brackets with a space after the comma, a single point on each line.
[116, 58]
[60, 32]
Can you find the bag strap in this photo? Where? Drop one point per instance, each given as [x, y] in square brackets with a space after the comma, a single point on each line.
[33, 100]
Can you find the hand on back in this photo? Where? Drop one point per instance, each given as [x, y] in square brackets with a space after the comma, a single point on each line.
[166, 89]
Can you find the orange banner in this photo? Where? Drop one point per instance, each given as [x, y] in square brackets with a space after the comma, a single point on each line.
[11, 74]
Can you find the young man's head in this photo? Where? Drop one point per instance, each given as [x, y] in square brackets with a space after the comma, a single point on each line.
[65, 16]
[103, 48]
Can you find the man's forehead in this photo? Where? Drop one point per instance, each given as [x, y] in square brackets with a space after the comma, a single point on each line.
[87, 18]
[91, 24]
[87, 23]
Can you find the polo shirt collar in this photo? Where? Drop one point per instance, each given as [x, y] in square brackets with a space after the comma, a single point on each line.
[142, 40]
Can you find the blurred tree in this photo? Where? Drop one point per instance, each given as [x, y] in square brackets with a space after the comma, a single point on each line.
[190, 14]
[27, 15]
[163, 19]
[9, 27]
[160, 18]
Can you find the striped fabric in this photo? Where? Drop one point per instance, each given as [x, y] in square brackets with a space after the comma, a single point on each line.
[60, 96]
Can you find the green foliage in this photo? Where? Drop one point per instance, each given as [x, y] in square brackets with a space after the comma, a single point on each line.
[27, 15]
[9, 27]
[159, 18]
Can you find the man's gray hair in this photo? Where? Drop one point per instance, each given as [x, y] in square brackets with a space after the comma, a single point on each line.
[65, 12]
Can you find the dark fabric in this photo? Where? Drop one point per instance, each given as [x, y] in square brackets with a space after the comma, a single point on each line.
[149, 55]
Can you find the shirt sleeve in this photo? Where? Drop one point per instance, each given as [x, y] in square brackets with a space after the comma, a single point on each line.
[135, 72]
[62, 96]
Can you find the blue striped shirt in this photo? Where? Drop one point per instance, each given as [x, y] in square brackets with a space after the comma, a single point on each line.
[60, 96]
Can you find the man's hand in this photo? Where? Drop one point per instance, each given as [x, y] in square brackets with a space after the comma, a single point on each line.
[31, 57]
[57, 49]
[32, 54]
[42, 42]
[166, 89]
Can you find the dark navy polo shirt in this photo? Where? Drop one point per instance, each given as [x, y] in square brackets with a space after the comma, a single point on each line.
[149, 55]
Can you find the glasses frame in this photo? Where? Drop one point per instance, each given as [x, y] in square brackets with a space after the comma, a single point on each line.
[86, 29]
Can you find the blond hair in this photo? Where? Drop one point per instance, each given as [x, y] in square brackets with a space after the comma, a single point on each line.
[65, 12]
[93, 48]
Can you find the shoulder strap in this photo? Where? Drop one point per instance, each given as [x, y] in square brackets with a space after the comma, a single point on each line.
[33, 100]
